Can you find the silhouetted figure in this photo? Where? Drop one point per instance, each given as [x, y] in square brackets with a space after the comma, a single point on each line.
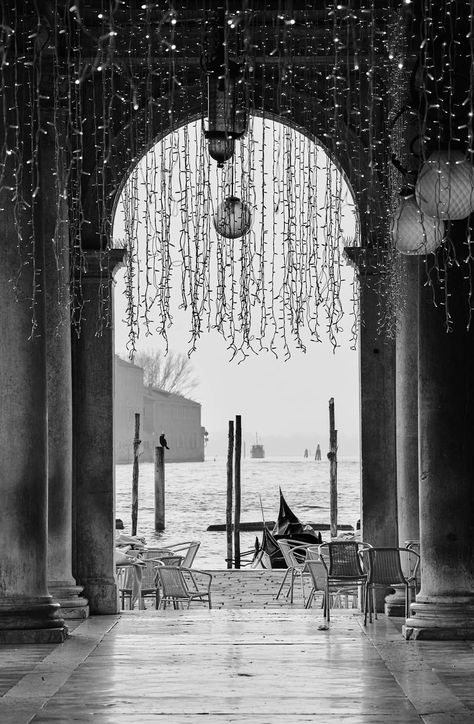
[318, 453]
[163, 442]
[306, 452]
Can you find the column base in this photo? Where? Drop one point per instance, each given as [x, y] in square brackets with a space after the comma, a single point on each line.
[395, 602]
[73, 606]
[37, 620]
[102, 596]
[34, 636]
[441, 620]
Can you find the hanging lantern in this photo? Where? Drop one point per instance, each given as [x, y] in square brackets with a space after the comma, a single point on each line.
[226, 118]
[445, 186]
[233, 218]
[412, 231]
[221, 149]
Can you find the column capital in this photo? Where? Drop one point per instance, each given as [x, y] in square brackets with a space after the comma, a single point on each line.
[368, 260]
[103, 264]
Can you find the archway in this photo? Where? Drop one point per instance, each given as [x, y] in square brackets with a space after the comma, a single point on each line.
[302, 385]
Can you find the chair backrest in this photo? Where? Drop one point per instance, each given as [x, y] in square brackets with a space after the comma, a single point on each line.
[156, 552]
[341, 558]
[190, 555]
[124, 577]
[312, 553]
[149, 574]
[316, 571]
[171, 560]
[388, 565]
[172, 581]
[293, 552]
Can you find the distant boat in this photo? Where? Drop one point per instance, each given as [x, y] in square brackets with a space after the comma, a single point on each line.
[257, 450]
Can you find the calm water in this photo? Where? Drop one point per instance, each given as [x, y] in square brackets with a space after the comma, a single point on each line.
[196, 498]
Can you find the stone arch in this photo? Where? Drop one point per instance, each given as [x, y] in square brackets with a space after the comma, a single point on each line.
[352, 160]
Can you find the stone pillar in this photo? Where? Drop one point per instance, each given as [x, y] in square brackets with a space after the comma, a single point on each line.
[444, 607]
[55, 231]
[377, 406]
[27, 611]
[94, 475]
[406, 396]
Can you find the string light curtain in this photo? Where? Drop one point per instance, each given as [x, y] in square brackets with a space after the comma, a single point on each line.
[107, 80]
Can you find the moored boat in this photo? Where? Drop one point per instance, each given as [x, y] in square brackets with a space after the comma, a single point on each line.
[288, 526]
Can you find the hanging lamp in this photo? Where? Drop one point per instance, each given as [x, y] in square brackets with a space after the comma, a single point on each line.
[412, 231]
[227, 115]
[445, 185]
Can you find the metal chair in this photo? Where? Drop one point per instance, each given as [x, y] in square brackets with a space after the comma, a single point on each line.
[190, 554]
[317, 578]
[149, 587]
[124, 586]
[343, 569]
[183, 584]
[294, 554]
[389, 567]
[186, 551]
[414, 545]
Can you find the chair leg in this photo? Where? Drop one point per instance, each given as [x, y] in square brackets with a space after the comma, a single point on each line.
[328, 604]
[292, 584]
[283, 582]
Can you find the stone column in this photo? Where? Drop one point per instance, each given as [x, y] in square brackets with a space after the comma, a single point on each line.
[377, 406]
[27, 611]
[406, 397]
[444, 608]
[94, 475]
[55, 231]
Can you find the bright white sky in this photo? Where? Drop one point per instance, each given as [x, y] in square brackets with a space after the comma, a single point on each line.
[285, 403]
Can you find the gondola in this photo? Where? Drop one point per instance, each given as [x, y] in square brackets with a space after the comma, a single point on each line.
[287, 525]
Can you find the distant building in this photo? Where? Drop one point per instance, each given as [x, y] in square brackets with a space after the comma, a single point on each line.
[160, 411]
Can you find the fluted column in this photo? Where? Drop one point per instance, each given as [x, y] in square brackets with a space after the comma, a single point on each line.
[94, 475]
[406, 396]
[55, 231]
[28, 613]
[444, 607]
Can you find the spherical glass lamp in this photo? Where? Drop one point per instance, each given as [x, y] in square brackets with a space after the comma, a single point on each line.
[445, 186]
[412, 231]
[233, 218]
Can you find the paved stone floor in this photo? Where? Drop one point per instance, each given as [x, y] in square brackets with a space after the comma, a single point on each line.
[235, 664]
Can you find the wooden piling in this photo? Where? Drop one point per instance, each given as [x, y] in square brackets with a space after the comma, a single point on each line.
[159, 488]
[238, 454]
[332, 456]
[228, 516]
[136, 446]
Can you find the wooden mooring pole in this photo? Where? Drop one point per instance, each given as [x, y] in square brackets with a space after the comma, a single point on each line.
[136, 445]
[332, 456]
[238, 454]
[230, 476]
[159, 488]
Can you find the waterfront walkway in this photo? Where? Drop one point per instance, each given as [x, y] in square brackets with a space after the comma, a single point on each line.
[253, 665]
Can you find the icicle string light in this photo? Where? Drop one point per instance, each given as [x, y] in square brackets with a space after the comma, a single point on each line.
[97, 85]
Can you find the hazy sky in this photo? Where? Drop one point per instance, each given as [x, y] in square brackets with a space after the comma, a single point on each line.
[285, 403]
